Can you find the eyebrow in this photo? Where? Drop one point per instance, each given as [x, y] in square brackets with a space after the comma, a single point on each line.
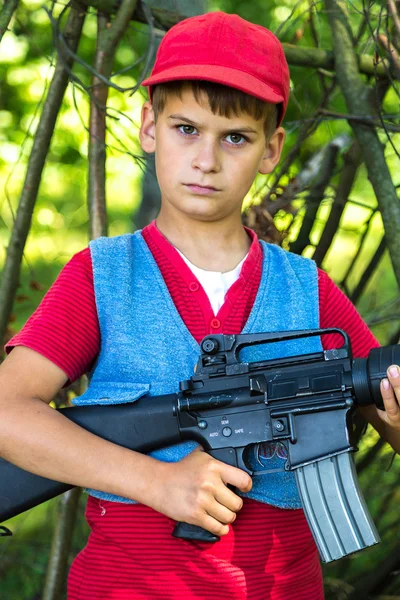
[244, 129]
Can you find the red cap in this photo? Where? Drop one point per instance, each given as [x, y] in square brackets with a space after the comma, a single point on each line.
[225, 49]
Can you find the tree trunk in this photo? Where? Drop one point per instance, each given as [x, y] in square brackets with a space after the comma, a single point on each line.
[41, 144]
[108, 38]
[358, 103]
[57, 567]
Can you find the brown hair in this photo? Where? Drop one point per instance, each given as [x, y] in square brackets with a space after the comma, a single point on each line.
[223, 101]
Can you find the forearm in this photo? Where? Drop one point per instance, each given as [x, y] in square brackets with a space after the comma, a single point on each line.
[41, 440]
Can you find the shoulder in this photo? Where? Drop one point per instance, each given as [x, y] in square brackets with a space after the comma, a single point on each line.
[81, 261]
[336, 310]
[118, 241]
[108, 251]
[293, 266]
[64, 328]
[290, 257]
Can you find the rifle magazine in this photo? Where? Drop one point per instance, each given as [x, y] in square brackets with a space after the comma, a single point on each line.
[335, 507]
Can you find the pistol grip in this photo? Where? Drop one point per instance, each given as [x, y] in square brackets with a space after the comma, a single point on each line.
[186, 531]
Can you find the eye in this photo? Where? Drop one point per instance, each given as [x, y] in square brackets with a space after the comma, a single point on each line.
[237, 139]
[186, 129]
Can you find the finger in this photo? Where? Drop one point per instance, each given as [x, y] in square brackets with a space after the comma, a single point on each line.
[216, 527]
[228, 498]
[236, 477]
[393, 374]
[392, 408]
[220, 513]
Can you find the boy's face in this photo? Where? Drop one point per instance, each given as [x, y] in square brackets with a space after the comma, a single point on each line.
[206, 163]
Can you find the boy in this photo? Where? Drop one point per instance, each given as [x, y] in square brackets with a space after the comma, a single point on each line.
[134, 309]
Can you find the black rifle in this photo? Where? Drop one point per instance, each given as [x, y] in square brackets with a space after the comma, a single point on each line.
[305, 402]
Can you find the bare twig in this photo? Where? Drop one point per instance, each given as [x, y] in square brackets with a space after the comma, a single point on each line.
[391, 51]
[369, 120]
[290, 21]
[358, 102]
[344, 282]
[6, 14]
[97, 130]
[315, 196]
[367, 273]
[314, 33]
[37, 159]
[325, 59]
[352, 160]
[163, 17]
[386, 319]
[108, 38]
[65, 52]
[347, 177]
[394, 15]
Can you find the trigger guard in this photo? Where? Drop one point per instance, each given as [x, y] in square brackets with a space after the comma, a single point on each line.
[241, 464]
[233, 457]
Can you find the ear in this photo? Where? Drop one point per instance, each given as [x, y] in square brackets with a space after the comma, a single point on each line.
[147, 129]
[273, 151]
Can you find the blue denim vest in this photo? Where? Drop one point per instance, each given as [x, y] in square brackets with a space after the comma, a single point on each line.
[146, 349]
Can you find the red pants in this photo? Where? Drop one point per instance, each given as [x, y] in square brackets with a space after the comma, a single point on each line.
[269, 554]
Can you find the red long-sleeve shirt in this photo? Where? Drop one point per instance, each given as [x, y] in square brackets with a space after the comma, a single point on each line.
[131, 555]
[65, 328]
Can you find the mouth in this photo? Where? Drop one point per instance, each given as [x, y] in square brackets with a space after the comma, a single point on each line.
[202, 190]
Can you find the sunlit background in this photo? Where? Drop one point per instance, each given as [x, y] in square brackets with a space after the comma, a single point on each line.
[60, 221]
[59, 227]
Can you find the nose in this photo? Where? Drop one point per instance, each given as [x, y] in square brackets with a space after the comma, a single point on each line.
[206, 157]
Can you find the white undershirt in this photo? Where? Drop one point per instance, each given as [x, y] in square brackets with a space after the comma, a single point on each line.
[214, 283]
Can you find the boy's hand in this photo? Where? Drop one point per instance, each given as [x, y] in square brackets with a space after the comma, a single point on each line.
[390, 390]
[194, 490]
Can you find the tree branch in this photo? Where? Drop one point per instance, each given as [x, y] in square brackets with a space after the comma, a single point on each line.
[347, 177]
[395, 16]
[107, 41]
[352, 161]
[360, 248]
[358, 103]
[164, 13]
[61, 544]
[6, 15]
[368, 272]
[325, 59]
[315, 196]
[34, 171]
[295, 55]
[371, 121]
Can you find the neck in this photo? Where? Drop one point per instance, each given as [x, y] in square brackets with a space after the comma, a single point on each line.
[213, 246]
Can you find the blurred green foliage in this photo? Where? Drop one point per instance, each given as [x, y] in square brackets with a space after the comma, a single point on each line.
[59, 227]
[60, 222]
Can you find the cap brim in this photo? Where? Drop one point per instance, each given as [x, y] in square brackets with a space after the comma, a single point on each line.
[224, 75]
